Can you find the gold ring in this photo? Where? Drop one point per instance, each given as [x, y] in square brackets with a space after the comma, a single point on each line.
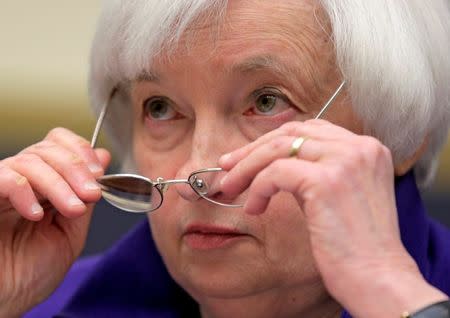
[296, 144]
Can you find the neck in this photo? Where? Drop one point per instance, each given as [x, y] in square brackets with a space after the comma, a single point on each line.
[273, 304]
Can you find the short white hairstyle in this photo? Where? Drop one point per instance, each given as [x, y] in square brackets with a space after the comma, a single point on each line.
[394, 56]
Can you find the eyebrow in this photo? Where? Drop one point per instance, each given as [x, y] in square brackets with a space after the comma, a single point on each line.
[147, 76]
[261, 63]
[273, 64]
[250, 65]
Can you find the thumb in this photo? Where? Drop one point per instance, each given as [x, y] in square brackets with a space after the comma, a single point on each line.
[76, 229]
[103, 156]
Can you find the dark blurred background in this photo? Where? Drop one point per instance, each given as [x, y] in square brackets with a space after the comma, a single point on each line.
[43, 69]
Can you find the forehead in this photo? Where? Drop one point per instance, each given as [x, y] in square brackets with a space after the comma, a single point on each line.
[255, 33]
[264, 20]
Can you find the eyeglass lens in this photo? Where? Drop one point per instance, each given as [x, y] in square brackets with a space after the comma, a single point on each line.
[130, 193]
[138, 194]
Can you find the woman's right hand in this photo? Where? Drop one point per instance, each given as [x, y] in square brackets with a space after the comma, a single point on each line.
[46, 196]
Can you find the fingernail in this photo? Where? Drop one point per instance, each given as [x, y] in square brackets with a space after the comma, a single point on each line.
[36, 209]
[74, 201]
[95, 168]
[91, 186]
[222, 181]
[225, 158]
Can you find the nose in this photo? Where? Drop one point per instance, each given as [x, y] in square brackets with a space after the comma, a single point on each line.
[207, 145]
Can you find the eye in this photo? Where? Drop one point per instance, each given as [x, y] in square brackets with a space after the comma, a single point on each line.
[159, 108]
[268, 102]
[265, 104]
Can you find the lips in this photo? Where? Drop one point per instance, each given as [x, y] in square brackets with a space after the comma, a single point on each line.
[206, 237]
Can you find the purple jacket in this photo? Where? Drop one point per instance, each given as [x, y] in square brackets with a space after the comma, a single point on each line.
[130, 279]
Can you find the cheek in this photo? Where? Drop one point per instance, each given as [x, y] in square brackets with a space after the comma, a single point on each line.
[162, 227]
[286, 238]
[166, 232]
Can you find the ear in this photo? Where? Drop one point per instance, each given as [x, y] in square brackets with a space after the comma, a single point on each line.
[403, 167]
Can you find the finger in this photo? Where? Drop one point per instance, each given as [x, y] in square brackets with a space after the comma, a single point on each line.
[77, 145]
[229, 160]
[17, 193]
[103, 156]
[316, 129]
[46, 181]
[242, 174]
[76, 229]
[70, 166]
[275, 178]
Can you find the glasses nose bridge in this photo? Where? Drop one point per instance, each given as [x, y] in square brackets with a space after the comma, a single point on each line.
[163, 185]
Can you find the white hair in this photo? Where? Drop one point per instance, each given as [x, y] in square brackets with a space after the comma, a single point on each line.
[394, 56]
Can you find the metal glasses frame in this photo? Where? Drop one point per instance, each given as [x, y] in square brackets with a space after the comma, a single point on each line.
[163, 185]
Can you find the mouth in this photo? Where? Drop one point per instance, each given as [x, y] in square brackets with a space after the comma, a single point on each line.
[208, 237]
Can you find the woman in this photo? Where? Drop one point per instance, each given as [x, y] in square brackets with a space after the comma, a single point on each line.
[332, 223]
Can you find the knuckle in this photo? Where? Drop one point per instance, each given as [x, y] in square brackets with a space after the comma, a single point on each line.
[278, 143]
[258, 180]
[371, 143]
[27, 159]
[55, 132]
[6, 164]
[386, 151]
[5, 172]
[11, 181]
[350, 159]
[355, 158]
[383, 157]
[335, 175]
[371, 151]
[318, 185]
[264, 174]
[83, 144]
[3, 167]
[386, 154]
[290, 128]
[45, 145]
[379, 149]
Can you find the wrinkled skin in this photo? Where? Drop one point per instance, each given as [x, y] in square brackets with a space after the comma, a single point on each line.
[329, 229]
[38, 248]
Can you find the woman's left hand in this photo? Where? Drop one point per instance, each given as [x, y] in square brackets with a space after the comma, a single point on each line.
[344, 184]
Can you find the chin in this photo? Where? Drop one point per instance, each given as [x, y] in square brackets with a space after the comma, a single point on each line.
[224, 274]
[223, 280]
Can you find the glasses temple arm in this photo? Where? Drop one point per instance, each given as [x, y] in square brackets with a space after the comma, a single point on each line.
[101, 118]
[330, 101]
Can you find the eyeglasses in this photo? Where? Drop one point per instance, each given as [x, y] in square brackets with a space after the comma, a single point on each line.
[138, 194]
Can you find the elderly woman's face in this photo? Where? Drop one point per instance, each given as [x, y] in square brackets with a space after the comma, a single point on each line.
[270, 62]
